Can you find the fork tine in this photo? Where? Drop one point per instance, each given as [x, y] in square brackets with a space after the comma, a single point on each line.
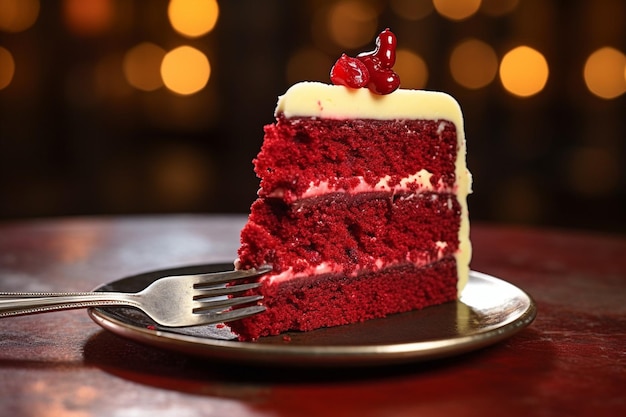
[213, 278]
[214, 292]
[212, 305]
[231, 315]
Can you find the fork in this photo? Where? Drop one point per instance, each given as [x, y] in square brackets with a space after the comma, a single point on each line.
[173, 301]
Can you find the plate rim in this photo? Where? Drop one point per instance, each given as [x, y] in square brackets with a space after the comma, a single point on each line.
[321, 355]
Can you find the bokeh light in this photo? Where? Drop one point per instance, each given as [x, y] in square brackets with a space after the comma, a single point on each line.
[604, 73]
[524, 71]
[473, 64]
[498, 7]
[412, 9]
[18, 15]
[456, 9]
[7, 68]
[308, 64]
[142, 66]
[185, 70]
[88, 17]
[352, 23]
[193, 18]
[411, 68]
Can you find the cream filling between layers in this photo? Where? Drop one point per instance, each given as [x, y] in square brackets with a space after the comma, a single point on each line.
[333, 268]
[419, 180]
[313, 99]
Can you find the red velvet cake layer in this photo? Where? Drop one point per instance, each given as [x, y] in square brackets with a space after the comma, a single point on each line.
[299, 151]
[413, 236]
[352, 249]
[331, 300]
[351, 231]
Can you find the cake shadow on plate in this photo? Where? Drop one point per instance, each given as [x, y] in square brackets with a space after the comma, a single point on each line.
[185, 373]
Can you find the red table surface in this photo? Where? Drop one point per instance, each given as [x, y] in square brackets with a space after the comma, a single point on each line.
[570, 361]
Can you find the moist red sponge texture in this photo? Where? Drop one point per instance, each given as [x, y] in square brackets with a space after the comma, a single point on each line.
[298, 152]
[315, 302]
[355, 232]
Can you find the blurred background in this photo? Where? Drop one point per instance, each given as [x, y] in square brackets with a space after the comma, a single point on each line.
[140, 107]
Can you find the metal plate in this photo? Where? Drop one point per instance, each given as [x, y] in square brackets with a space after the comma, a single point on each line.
[488, 311]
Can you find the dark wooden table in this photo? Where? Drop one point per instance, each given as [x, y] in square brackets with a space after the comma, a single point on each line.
[570, 361]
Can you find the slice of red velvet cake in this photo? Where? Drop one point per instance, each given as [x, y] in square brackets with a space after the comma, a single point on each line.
[362, 208]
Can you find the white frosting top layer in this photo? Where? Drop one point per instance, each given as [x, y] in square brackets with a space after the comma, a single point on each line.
[314, 99]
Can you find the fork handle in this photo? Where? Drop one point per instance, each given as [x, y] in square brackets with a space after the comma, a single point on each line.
[33, 303]
[39, 294]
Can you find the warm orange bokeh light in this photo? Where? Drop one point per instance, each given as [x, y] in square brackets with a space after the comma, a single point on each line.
[473, 64]
[456, 9]
[193, 18]
[411, 68]
[18, 15]
[7, 68]
[605, 73]
[142, 66]
[88, 17]
[411, 9]
[185, 70]
[524, 71]
[352, 23]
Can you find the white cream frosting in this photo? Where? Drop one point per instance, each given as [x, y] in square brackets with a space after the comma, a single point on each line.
[420, 180]
[313, 99]
[332, 268]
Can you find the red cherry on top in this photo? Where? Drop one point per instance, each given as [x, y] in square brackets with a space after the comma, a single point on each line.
[382, 80]
[350, 72]
[385, 49]
[372, 69]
